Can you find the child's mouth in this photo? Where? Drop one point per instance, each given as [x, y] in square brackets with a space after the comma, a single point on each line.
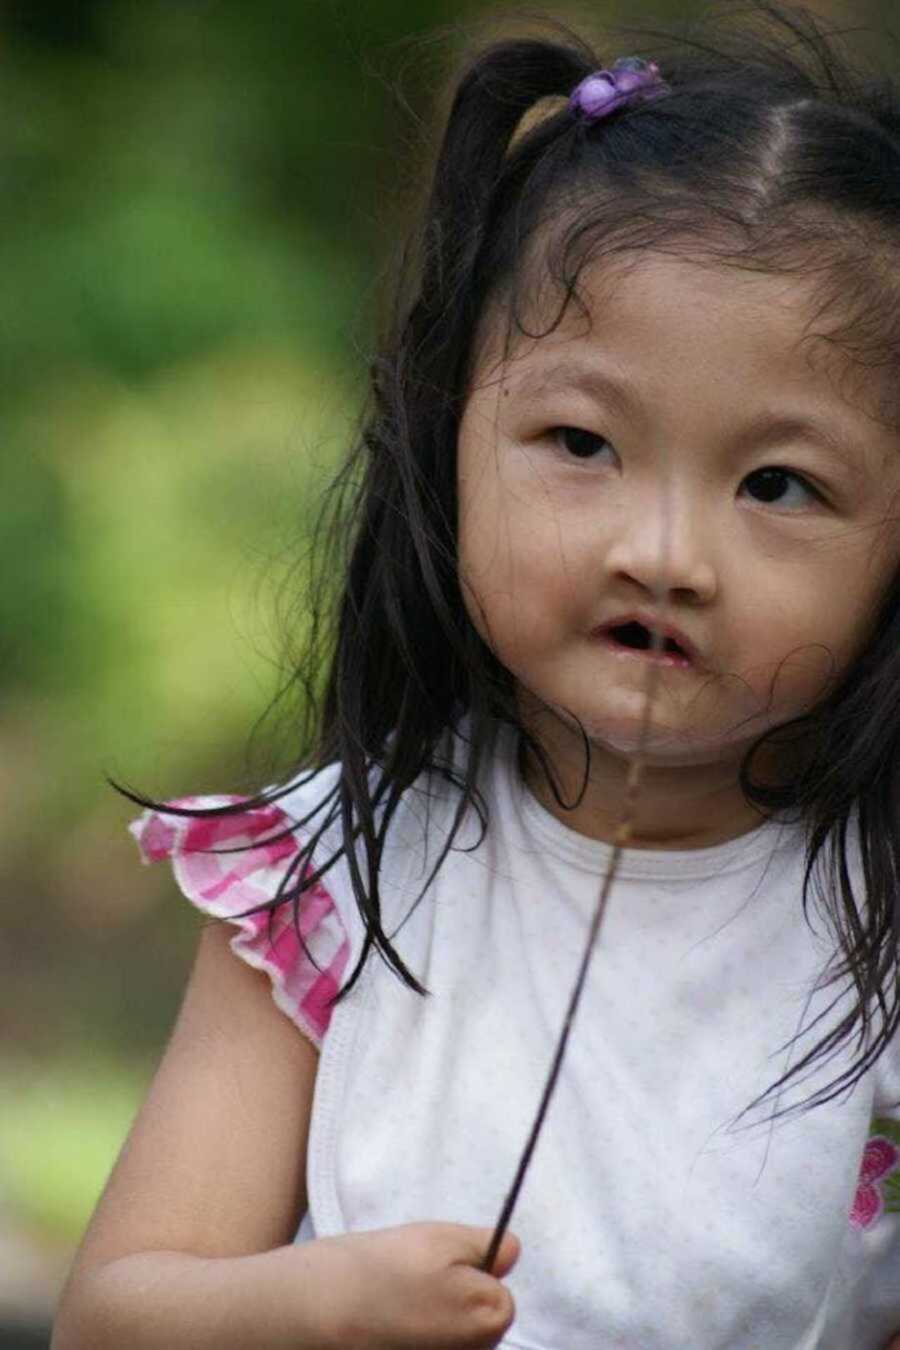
[635, 640]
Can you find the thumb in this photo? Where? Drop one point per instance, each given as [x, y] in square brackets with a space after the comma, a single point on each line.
[470, 1244]
[507, 1253]
[893, 1343]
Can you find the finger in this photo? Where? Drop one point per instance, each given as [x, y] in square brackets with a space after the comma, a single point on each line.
[481, 1307]
[507, 1252]
[507, 1255]
[473, 1243]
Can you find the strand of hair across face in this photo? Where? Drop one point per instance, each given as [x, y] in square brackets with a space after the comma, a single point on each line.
[621, 839]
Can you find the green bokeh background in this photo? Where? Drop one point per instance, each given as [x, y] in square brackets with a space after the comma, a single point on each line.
[200, 198]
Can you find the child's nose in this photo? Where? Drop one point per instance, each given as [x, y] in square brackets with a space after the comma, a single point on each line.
[665, 548]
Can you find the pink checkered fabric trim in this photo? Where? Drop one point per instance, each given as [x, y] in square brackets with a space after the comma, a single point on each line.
[224, 884]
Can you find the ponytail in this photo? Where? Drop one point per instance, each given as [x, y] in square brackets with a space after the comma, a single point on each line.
[494, 94]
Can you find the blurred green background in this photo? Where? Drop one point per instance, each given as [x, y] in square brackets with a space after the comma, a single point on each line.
[200, 198]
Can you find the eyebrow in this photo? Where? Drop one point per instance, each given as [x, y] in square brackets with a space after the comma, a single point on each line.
[618, 393]
[766, 429]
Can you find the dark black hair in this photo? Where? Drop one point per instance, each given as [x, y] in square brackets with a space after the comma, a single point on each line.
[772, 151]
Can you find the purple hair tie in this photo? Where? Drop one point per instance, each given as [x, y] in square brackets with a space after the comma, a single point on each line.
[631, 80]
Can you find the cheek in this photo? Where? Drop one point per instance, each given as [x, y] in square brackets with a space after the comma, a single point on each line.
[481, 522]
[795, 638]
[518, 569]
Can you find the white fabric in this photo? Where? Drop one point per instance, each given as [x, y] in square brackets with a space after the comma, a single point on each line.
[645, 1222]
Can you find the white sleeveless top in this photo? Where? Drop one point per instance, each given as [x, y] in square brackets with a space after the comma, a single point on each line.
[646, 1222]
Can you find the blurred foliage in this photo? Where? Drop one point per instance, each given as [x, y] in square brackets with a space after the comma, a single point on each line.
[68, 1123]
[190, 246]
[200, 197]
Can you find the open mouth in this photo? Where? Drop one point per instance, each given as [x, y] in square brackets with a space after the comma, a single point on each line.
[635, 637]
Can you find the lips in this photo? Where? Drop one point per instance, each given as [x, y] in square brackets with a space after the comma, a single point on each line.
[634, 632]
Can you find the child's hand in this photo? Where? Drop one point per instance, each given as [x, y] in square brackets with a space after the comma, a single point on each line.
[418, 1287]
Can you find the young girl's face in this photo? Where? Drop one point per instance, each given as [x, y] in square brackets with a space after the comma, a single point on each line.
[682, 440]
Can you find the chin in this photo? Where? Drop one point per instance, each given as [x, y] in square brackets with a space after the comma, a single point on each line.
[615, 727]
[665, 746]
[659, 749]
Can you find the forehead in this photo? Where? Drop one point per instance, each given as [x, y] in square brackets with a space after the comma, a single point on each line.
[698, 346]
[656, 311]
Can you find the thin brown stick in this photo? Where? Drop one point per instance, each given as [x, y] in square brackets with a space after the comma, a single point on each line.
[621, 838]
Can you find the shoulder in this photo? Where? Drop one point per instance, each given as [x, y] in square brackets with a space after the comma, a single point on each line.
[235, 863]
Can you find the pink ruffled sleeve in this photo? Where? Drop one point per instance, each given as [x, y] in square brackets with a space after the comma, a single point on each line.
[225, 884]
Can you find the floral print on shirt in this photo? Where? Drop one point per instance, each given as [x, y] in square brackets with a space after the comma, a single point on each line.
[878, 1190]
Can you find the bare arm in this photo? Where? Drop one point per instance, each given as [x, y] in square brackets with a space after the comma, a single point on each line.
[214, 1165]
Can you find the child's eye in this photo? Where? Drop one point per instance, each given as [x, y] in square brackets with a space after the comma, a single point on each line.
[769, 485]
[582, 444]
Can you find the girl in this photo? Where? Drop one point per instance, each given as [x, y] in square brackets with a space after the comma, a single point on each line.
[622, 520]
